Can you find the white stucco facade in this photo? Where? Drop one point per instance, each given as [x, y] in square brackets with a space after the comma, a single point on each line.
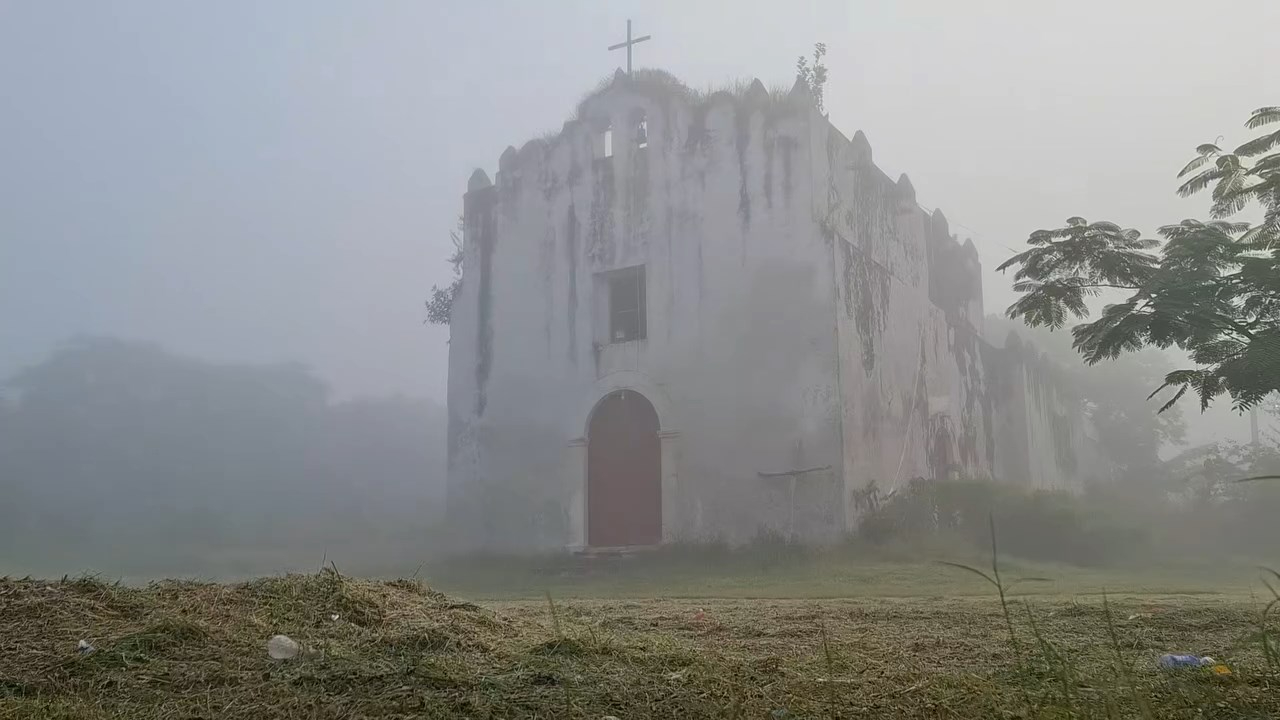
[802, 312]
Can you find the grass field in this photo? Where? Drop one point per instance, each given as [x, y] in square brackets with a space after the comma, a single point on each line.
[917, 640]
[802, 575]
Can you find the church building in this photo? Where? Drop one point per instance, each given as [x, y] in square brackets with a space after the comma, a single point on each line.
[689, 317]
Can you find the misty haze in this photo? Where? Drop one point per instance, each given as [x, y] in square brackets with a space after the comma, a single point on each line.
[628, 360]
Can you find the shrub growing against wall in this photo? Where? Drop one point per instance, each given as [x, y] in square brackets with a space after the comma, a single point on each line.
[1033, 524]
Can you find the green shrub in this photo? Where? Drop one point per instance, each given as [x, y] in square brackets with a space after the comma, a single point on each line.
[1041, 525]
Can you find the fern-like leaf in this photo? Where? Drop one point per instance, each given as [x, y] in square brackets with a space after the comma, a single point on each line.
[1263, 116]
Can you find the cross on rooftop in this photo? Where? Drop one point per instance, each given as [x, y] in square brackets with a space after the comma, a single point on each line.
[628, 45]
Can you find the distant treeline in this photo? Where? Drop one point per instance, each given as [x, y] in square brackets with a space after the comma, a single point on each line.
[121, 458]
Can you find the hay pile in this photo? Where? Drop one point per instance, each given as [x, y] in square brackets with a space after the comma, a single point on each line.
[377, 649]
[401, 650]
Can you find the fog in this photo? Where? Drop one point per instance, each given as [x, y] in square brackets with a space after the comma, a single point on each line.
[123, 458]
[275, 183]
[243, 195]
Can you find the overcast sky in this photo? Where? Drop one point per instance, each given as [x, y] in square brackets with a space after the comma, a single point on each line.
[263, 181]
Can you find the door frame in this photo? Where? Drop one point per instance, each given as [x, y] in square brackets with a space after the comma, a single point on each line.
[576, 453]
[631, 500]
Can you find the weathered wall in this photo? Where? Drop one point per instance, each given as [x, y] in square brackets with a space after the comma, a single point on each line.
[1043, 437]
[911, 375]
[803, 311]
[740, 344]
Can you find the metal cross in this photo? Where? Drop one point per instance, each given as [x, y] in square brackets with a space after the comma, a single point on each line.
[628, 45]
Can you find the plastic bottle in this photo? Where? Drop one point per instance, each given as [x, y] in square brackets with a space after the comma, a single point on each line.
[1174, 662]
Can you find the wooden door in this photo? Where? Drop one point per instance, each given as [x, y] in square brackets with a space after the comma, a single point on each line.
[624, 472]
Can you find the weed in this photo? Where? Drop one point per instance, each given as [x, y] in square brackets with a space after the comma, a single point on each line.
[1121, 667]
[831, 670]
[1269, 651]
[1058, 663]
[555, 618]
[994, 579]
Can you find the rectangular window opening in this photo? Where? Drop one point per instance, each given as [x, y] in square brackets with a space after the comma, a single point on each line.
[608, 143]
[627, 319]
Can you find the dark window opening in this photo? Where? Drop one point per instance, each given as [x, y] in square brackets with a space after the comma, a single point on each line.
[627, 305]
[638, 124]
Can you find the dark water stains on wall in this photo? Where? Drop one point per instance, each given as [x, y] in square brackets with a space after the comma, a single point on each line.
[954, 276]
[939, 436]
[872, 416]
[478, 215]
[787, 147]
[741, 139]
[571, 255]
[1064, 450]
[669, 229]
[637, 207]
[1005, 396]
[600, 241]
[866, 299]
[989, 429]
[966, 346]
[699, 147]
[547, 269]
[770, 142]
[510, 182]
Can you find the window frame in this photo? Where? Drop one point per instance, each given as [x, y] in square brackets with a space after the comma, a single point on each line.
[620, 319]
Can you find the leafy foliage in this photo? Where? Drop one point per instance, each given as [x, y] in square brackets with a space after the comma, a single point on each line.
[815, 76]
[1205, 485]
[440, 306]
[1212, 289]
[1192, 508]
[1046, 525]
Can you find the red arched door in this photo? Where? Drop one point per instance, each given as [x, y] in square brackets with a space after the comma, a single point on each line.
[624, 472]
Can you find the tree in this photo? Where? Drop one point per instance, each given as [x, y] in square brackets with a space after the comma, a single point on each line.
[440, 306]
[1212, 289]
[814, 77]
[126, 458]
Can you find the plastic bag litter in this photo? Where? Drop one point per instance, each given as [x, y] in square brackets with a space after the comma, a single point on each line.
[283, 647]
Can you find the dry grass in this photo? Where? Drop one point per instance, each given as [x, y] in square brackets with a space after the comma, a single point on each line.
[399, 649]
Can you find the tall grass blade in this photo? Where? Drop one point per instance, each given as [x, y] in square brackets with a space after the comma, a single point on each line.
[1017, 581]
[555, 617]
[1274, 574]
[1000, 588]
[1269, 651]
[969, 568]
[1121, 667]
[1056, 661]
[831, 671]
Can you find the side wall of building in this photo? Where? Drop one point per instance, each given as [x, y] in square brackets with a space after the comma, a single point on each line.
[1044, 440]
[739, 356]
[912, 378]
[923, 393]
